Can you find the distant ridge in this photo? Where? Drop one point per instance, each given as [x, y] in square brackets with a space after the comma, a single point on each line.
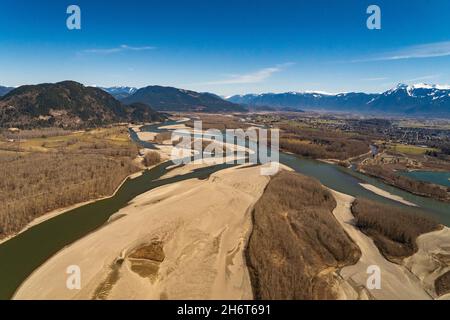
[418, 99]
[173, 99]
[68, 104]
[5, 90]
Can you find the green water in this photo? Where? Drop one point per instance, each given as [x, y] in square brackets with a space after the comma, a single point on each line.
[437, 177]
[347, 181]
[21, 255]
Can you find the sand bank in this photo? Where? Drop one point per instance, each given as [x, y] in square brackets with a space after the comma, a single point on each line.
[203, 226]
[432, 259]
[397, 282]
[386, 194]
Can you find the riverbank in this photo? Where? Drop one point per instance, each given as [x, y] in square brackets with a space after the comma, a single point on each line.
[407, 281]
[386, 194]
[203, 226]
[438, 192]
[57, 173]
[114, 265]
[54, 213]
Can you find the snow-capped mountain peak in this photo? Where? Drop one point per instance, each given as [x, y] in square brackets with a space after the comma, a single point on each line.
[120, 92]
[418, 98]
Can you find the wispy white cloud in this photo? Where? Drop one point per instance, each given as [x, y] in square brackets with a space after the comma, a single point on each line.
[428, 50]
[120, 48]
[253, 77]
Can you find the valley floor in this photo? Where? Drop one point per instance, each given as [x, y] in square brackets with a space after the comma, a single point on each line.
[188, 240]
[201, 229]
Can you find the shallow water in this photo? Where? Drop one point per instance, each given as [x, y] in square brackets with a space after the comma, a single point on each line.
[437, 177]
[347, 181]
[21, 255]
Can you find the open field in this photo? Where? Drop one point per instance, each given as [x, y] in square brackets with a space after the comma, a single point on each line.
[410, 149]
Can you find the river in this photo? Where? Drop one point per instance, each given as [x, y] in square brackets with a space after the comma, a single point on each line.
[437, 177]
[21, 255]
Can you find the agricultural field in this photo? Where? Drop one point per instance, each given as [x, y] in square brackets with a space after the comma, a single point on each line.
[410, 149]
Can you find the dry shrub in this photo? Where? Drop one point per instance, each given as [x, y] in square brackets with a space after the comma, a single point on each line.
[321, 143]
[163, 136]
[152, 251]
[36, 133]
[151, 158]
[210, 144]
[32, 184]
[442, 284]
[217, 121]
[393, 229]
[295, 237]
[414, 186]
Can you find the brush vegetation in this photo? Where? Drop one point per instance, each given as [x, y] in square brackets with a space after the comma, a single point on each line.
[414, 186]
[442, 284]
[296, 243]
[43, 174]
[319, 143]
[394, 230]
[151, 158]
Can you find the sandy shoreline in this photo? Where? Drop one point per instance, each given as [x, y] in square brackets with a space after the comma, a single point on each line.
[386, 194]
[203, 240]
[57, 212]
[204, 227]
[396, 281]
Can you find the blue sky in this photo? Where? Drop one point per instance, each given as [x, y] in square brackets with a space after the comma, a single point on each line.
[227, 47]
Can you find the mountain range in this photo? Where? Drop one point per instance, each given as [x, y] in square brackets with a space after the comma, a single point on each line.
[5, 90]
[71, 104]
[120, 92]
[174, 99]
[68, 104]
[419, 99]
